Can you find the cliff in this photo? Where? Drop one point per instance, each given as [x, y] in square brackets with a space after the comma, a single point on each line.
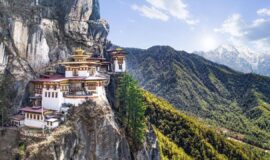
[90, 133]
[38, 33]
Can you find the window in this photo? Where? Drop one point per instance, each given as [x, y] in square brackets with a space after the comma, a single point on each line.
[45, 94]
[56, 94]
[49, 94]
[120, 66]
[52, 94]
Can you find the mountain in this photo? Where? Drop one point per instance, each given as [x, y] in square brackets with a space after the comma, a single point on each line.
[184, 137]
[234, 101]
[239, 58]
[35, 34]
[264, 66]
[176, 135]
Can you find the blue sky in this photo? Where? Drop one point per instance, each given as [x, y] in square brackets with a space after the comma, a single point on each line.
[189, 25]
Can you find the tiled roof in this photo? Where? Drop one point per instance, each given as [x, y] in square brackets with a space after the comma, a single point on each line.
[33, 110]
[17, 117]
[55, 79]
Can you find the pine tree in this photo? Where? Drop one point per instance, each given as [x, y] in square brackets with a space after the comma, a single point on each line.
[132, 109]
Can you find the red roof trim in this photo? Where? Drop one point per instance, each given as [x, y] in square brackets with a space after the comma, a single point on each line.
[32, 110]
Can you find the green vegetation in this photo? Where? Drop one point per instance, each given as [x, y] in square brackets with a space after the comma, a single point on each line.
[197, 140]
[168, 149]
[21, 150]
[131, 110]
[221, 96]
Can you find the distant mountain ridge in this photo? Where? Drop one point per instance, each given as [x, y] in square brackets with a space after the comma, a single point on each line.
[239, 58]
[216, 93]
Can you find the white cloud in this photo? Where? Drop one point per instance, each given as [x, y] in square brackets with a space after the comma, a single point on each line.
[263, 45]
[174, 8]
[255, 34]
[234, 26]
[264, 12]
[258, 22]
[150, 12]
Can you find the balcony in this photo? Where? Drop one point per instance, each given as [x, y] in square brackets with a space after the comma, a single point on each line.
[78, 92]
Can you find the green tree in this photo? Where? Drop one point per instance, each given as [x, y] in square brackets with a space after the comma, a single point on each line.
[132, 109]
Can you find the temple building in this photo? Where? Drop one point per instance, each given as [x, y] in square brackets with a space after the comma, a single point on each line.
[85, 77]
[119, 62]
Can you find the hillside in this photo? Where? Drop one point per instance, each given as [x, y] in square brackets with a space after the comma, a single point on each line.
[189, 138]
[220, 95]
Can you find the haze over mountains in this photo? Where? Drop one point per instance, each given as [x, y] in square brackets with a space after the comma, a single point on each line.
[239, 58]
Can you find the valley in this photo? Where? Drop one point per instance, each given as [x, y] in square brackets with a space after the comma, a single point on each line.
[221, 96]
[67, 91]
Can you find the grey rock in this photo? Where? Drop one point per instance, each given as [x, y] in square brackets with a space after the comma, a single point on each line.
[40, 33]
[93, 134]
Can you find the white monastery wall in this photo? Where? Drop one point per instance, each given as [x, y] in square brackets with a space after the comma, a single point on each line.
[101, 91]
[50, 102]
[54, 125]
[68, 74]
[34, 123]
[74, 101]
[83, 73]
[116, 66]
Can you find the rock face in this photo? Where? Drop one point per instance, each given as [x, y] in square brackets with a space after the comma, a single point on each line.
[9, 140]
[3, 58]
[38, 33]
[53, 25]
[90, 134]
[150, 149]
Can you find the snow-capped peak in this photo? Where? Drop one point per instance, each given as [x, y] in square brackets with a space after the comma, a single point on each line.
[226, 48]
[239, 58]
[239, 51]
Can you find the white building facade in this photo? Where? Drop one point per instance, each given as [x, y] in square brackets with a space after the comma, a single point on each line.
[84, 79]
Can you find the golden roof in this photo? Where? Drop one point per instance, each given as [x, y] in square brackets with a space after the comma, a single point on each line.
[119, 49]
[79, 51]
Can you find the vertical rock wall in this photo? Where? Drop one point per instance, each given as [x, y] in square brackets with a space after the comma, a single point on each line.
[90, 134]
[3, 55]
[39, 33]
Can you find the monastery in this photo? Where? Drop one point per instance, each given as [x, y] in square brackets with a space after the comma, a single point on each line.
[85, 78]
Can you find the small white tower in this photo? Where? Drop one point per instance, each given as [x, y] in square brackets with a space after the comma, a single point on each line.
[119, 60]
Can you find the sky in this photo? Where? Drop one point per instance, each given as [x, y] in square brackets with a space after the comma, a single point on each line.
[190, 25]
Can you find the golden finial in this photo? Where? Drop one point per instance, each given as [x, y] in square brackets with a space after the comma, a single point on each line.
[119, 49]
[79, 51]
